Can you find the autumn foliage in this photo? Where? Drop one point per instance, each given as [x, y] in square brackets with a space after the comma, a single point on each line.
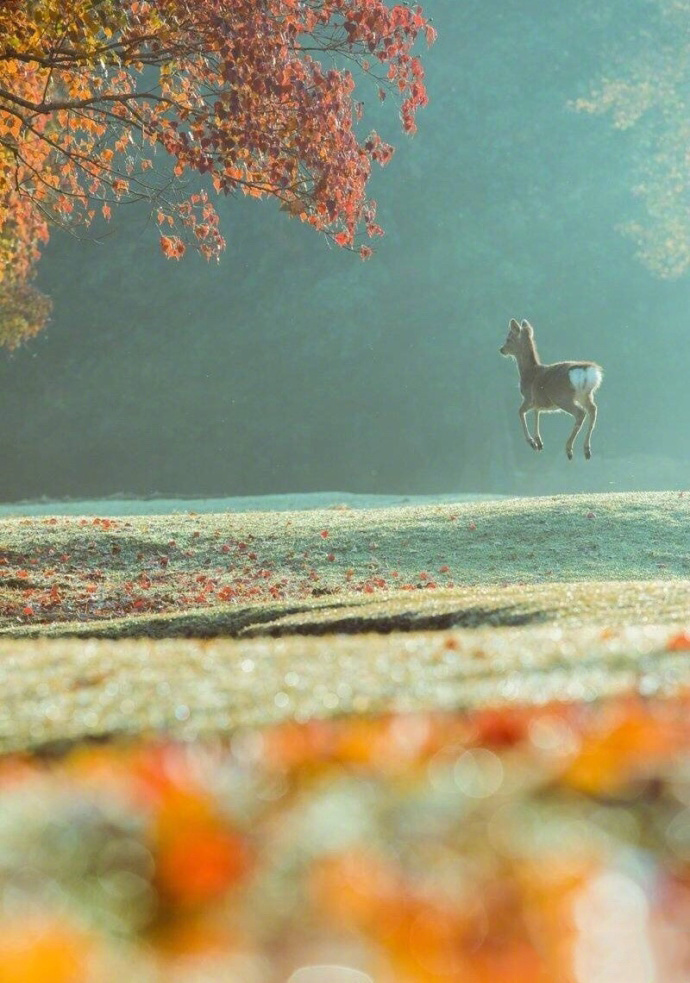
[258, 95]
[512, 843]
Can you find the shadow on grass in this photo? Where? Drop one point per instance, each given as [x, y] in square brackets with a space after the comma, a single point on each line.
[257, 621]
[216, 622]
[383, 623]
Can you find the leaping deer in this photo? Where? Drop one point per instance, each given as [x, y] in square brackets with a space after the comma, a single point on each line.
[567, 386]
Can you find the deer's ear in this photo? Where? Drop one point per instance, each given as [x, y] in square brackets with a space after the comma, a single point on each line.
[527, 328]
[514, 326]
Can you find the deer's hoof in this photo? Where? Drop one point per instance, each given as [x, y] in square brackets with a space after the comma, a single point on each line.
[570, 455]
[588, 453]
[536, 446]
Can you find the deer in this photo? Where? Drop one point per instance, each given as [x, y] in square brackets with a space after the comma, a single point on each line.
[566, 386]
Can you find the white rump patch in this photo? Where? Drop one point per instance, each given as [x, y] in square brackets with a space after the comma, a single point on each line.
[585, 378]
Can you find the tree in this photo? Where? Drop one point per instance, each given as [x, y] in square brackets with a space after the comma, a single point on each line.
[649, 96]
[256, 94]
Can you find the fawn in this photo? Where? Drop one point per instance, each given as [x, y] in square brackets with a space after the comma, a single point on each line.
[568, 386]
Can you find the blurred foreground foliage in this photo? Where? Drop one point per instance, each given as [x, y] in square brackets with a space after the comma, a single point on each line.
[543, 844]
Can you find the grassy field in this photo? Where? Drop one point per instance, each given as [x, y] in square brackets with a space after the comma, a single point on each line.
[199, 623]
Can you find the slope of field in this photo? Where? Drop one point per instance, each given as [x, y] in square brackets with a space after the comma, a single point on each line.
[235, 570]
[150, 622]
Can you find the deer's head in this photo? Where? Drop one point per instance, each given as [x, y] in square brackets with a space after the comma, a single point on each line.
[519, 336]
[511, 345]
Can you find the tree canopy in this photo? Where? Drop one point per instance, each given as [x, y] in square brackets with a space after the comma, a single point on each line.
[259, 95]
[647, 93]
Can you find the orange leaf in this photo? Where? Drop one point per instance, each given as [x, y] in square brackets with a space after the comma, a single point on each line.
[201, 864]
[198, 855]
[172, 247]
[34, 949]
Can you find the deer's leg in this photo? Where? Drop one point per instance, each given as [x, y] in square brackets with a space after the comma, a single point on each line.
[524, 408]
[579, 420]
[537, 435]
[575, 410]
[590, 408]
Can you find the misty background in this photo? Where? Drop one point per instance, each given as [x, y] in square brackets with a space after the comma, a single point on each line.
[293, 367]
